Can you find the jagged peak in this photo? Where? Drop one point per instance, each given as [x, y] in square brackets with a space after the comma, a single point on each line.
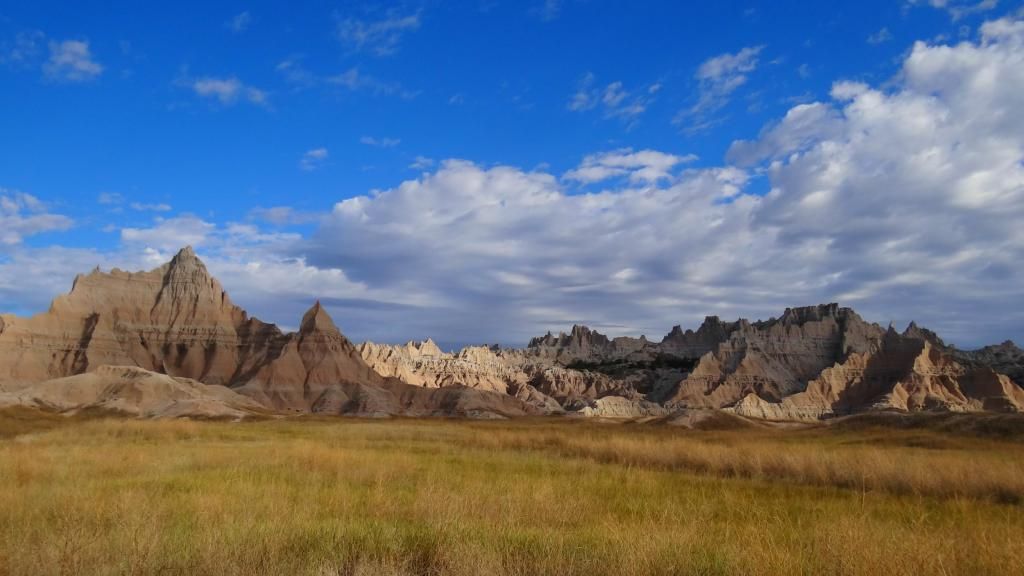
[186, 258]
[316, 319]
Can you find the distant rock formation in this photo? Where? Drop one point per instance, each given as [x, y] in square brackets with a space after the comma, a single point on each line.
[178, 321]
[906, 373]
[169, 342]
[776, 358]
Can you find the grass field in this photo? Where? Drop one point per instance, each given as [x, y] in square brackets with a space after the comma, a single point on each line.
[107, 496]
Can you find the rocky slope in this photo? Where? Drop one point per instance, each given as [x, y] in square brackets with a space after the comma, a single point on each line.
[776, 358]
[906, 373]
[178, 321]
[136, 392]
[182, 340]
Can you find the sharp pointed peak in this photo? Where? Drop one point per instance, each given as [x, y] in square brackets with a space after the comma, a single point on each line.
[186, 257]
[317, 318]
[186, 253]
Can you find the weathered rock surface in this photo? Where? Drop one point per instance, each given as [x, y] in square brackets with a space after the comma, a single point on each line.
[776, 358]
[617, 407]
[182, 344]
[178, 321]
[1006, 358]
[906, 373]
[137, 392]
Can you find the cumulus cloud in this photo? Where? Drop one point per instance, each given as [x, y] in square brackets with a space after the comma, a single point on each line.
[313, 159]
[644, 166]
[227, 91]
[381, 37]
[71, 61]
[903, 200]
[23, 215]
[908, 200]
[171, 233]
[717, 78]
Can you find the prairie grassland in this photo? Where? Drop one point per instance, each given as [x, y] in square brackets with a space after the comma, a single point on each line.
[315, 496]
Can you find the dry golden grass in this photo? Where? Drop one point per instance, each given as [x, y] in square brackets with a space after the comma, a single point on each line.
[322, 497]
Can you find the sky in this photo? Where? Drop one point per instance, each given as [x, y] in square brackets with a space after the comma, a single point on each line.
[486, 171]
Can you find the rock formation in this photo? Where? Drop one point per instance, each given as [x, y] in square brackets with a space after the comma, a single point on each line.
[178, 321]
[906, 373]
[136, 392]
[170, 342]
[776, 358]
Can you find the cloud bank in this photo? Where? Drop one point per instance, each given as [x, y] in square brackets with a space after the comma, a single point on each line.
[903, 201]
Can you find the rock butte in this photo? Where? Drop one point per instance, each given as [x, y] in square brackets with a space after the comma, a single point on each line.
[169, 343]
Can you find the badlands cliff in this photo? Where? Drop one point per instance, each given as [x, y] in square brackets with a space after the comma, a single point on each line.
[178, 321]
[170, 342]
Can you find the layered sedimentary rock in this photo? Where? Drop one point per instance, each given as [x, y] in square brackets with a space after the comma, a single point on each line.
[424, 364]
[617, 407]
[906, 373]
[137, 392]
[776, 358]
[178, 341]
[1006, 358]
[175, 320]
[178, 321]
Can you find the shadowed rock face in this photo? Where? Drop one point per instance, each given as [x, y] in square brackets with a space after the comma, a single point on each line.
[776, 358]
[906, 373]
[177, 320]
[180, 338]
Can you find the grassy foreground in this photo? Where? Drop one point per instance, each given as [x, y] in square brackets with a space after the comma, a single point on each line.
[107, 496]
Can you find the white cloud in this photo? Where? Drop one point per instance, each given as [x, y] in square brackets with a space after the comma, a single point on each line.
[156, 207]
[958, 9]
[313, 159]
[421, 163]
[71, 61]
[718, 78]
[23, 215]
[550, 10]
[23, 51]
[644, 166]
[380, 142]
[227, 90]
[354, 80]
[903, 201]
[381, 37]
[880, 37]
[110, 198]
[170, 234]
[240, 22]
[613, 99]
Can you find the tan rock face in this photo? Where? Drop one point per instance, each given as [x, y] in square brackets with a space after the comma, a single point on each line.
[905, 373]
[178, 321]
[182, 341]
[175, 320]
[137, 392]
[776, 358]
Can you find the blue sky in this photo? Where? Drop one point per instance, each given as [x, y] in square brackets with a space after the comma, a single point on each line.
[240, 127]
